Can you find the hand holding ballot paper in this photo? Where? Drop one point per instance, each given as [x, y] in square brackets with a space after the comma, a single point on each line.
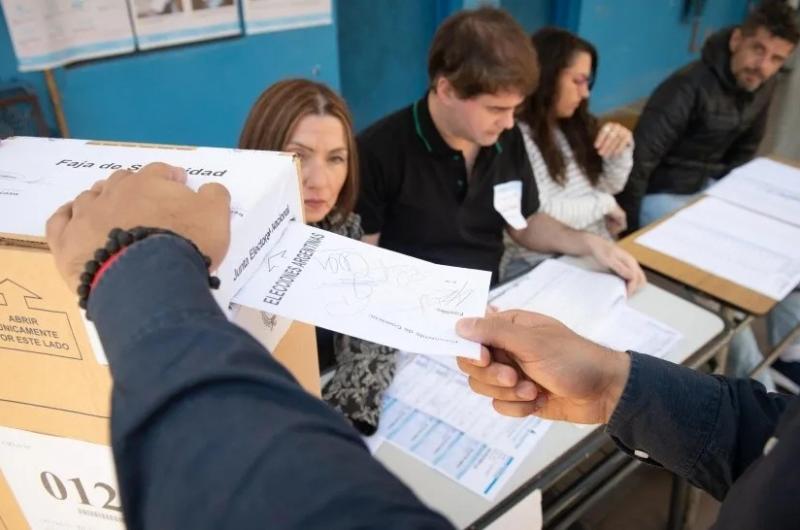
[528, 353]
[368, 292]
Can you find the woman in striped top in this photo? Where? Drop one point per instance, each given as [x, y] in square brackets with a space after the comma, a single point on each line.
[578, 165]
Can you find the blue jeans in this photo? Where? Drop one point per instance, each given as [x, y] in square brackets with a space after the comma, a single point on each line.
[783, 318]
[744, 355]
[657, 205]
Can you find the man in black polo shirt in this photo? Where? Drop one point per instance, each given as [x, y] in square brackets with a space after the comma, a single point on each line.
[443, 177]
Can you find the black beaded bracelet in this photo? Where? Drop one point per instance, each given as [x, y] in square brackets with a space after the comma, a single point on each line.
[119, 239]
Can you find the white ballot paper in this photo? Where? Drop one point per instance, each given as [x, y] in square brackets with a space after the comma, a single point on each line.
[747, 248]
[368, 292]
[47, 173]
[430, 413]
[508, 203]
[61, 483]
[764, 186]
[592, 304]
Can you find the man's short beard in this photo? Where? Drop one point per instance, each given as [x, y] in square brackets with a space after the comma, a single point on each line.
[741, 83]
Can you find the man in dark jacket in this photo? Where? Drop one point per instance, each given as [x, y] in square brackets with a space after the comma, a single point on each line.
[708, 117]
[704, 120]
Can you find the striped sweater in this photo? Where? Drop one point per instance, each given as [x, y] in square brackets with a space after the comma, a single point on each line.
[576, 203]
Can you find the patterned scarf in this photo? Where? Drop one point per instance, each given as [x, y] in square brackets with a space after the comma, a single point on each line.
[364, 370]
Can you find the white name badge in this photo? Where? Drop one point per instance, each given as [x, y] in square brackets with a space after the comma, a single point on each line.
[508, 201]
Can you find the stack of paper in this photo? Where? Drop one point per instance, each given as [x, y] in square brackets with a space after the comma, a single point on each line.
[592, 304]
[764, 186]
[747, 248]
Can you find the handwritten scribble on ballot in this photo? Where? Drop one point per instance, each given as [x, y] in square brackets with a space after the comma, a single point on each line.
[367, 292]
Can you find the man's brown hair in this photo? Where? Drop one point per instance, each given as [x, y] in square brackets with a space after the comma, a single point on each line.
[483, 51]
[279, 109]
[776, 17]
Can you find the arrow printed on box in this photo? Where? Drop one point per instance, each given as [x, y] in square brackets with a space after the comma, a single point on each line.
[275, 258]
[30, 329]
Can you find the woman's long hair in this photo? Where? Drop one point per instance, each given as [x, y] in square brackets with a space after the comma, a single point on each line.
[556, 49]
[279, 109]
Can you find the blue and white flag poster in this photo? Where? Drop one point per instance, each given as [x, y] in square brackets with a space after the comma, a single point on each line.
[262, 16]
[160, 23]
[49, 34]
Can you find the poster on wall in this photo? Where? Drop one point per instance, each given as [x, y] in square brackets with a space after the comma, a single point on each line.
[261, 16]
[48, 34]
[160, 23]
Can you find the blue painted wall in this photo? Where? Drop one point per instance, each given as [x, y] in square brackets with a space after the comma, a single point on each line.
[196, 94]
[384, 53]
[531, 14]
[376, 53]
[642, 42]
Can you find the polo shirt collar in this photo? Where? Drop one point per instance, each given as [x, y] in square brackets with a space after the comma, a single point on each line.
[429, 135]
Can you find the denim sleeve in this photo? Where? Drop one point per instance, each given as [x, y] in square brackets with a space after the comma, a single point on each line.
[208, 430]
[705, 428]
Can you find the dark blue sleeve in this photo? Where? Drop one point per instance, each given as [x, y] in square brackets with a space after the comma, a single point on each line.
[208, 430]
[705, 428]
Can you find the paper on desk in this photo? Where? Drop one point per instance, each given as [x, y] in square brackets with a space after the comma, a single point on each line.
[764, 186]
[592, 304]
[744, 247]
[508, 203]
[368, 292]
[61, 483]
[625, 328]
[430, 413]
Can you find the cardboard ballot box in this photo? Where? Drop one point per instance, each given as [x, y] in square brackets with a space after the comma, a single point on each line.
[54, 379]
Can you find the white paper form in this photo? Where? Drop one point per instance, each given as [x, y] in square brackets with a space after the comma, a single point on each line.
[592, 304]
[50, 34]
[368, 292]
[747, 248]
[159, 23]
[37, 175]
[61, 483]
[625, 328]
[442, 391]
[430, 413]
[764, 186]
[261, 16]
[508, 203]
